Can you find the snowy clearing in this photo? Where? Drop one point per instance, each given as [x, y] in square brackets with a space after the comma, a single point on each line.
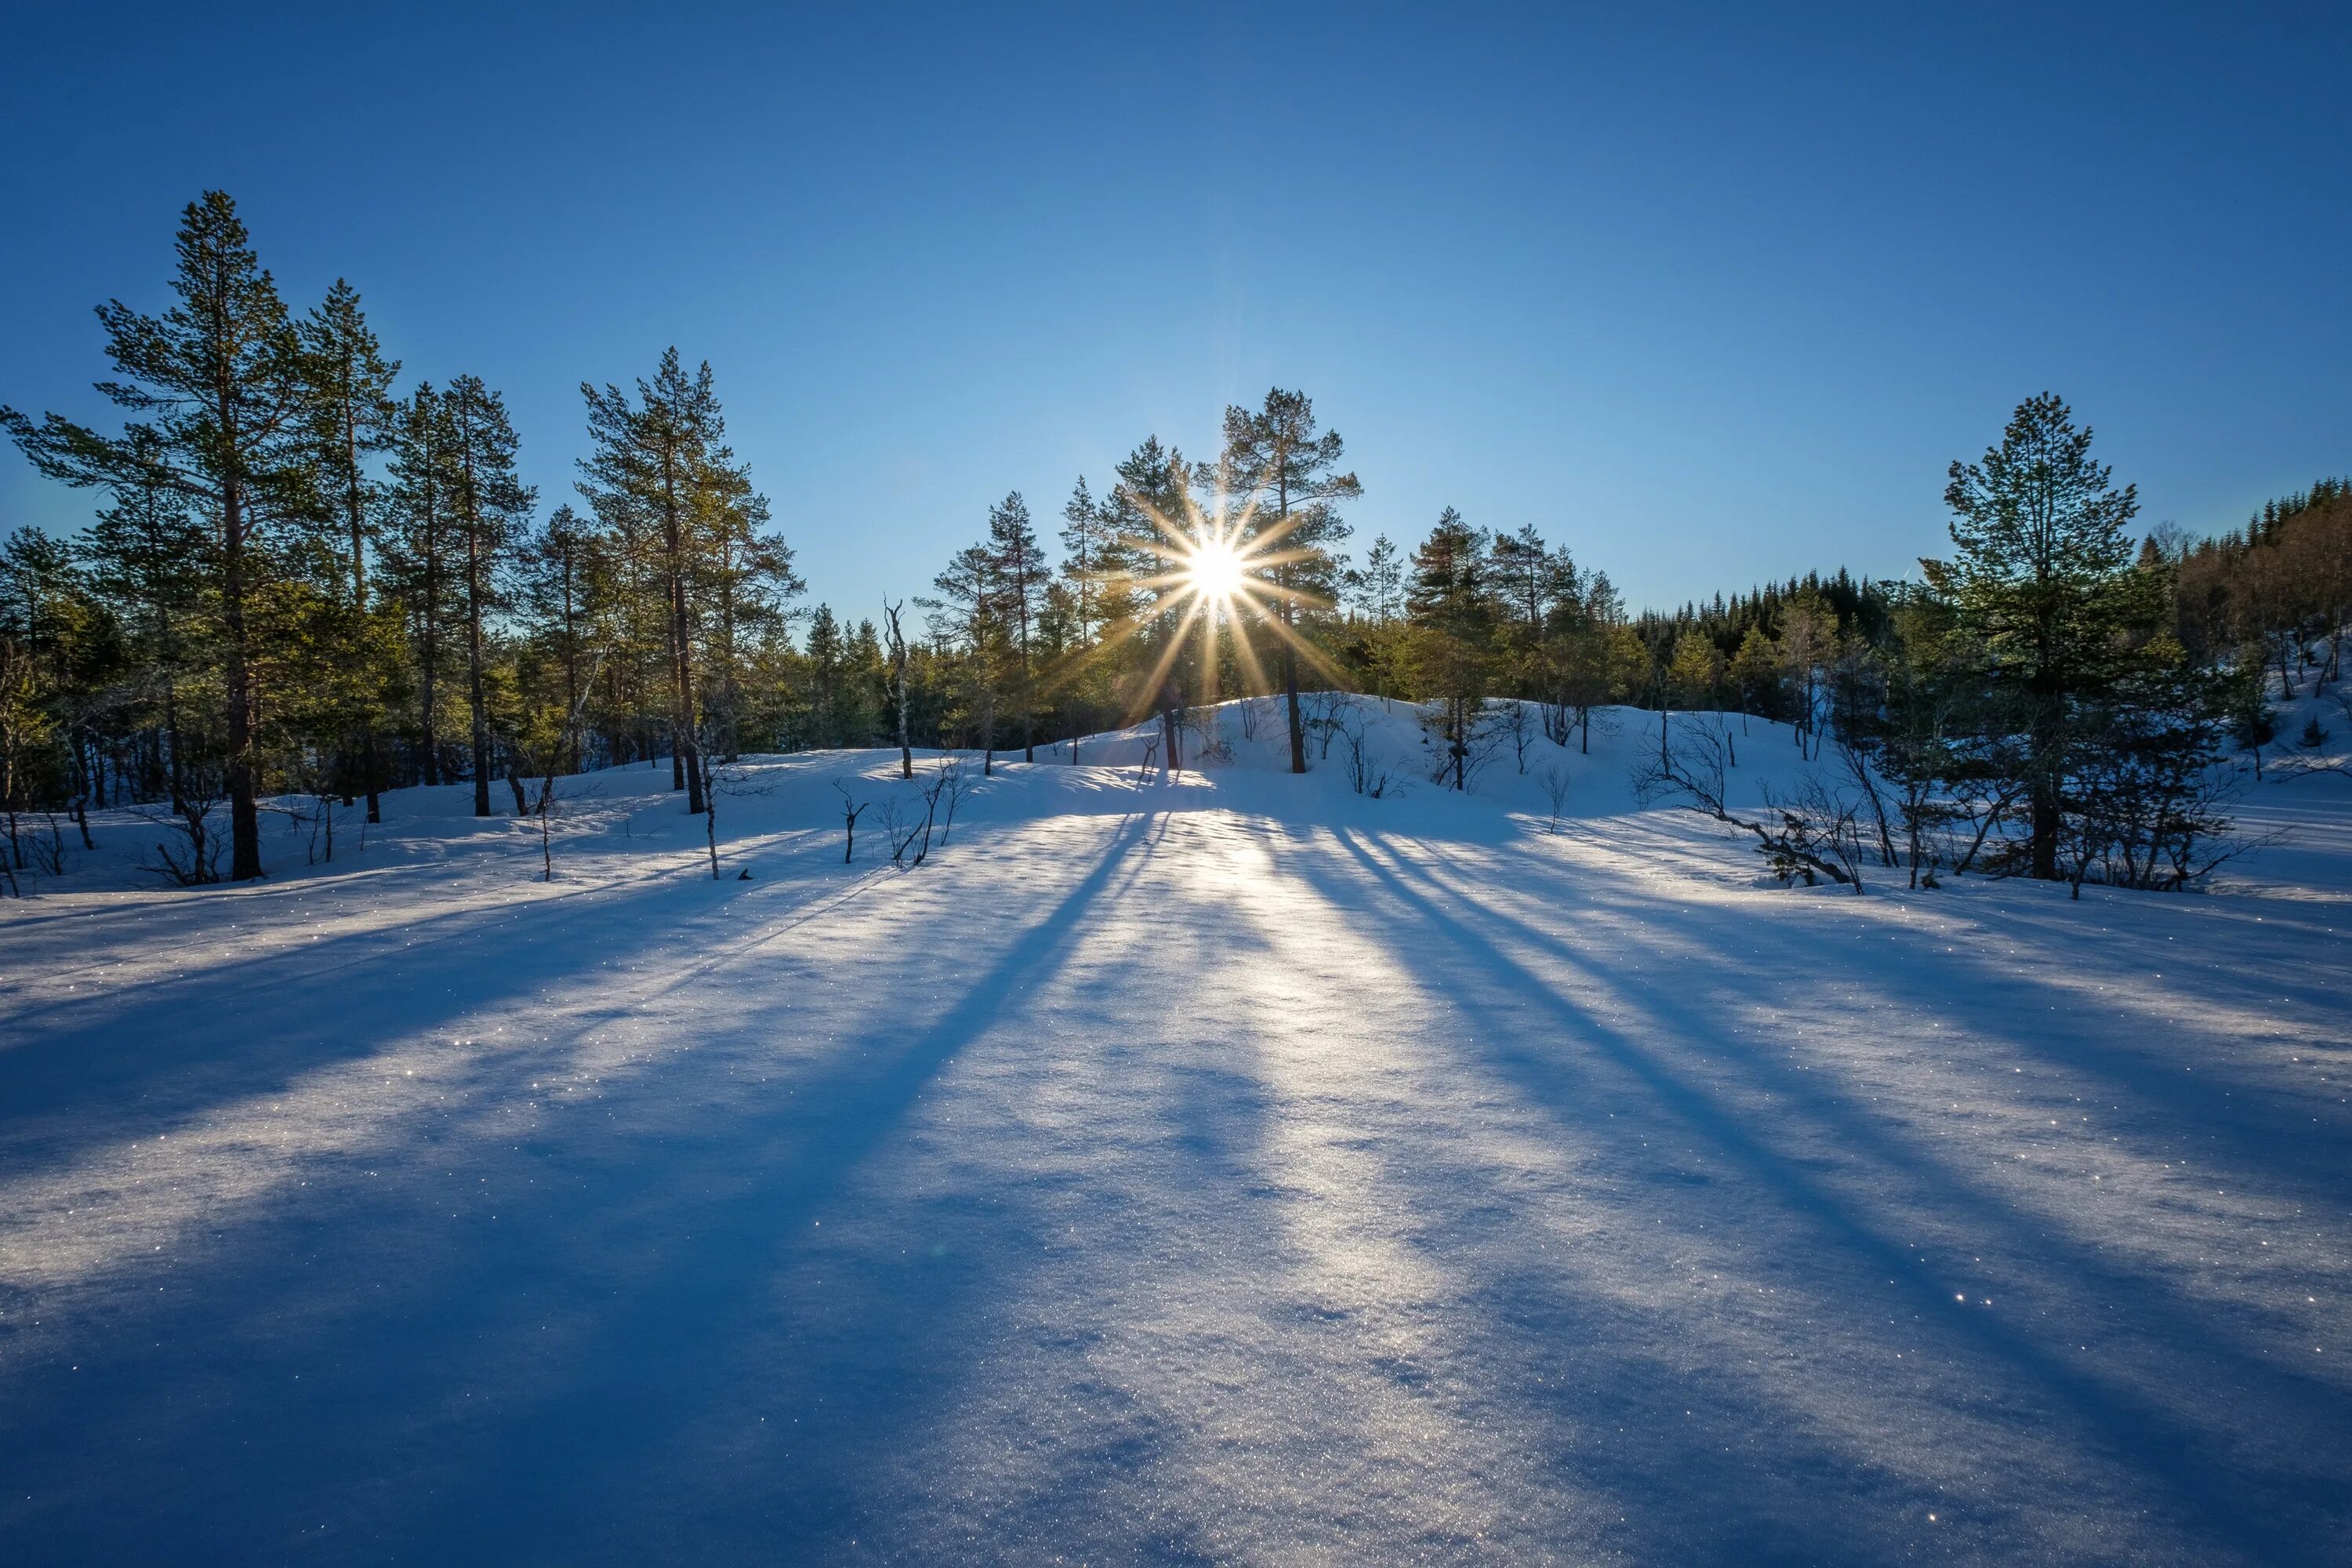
[1230, 1170]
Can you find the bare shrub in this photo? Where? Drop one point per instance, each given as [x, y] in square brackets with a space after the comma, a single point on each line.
[946, 791]
[852, 808]
[1512, 723]
[1366, 775]
[1325, 712]
[192, 858]
[1811, 833]
[1556, 780]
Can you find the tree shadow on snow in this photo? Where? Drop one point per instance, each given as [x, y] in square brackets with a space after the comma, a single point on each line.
[2190, 1474]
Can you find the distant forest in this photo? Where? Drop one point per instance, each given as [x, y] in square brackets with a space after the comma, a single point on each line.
[307, 580]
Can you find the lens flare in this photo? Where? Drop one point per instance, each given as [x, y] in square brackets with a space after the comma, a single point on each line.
[1215, 570]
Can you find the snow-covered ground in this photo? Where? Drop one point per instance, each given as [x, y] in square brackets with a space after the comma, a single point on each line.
[1233, 1169]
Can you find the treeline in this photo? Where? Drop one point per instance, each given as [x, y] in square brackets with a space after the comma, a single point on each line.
[2277, 591]
[304, 582]
[2056, 698]
[308, 583]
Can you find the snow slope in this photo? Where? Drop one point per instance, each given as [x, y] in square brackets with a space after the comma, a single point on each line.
[1233, 1169]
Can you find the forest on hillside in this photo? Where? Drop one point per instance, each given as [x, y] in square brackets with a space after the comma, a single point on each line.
[310, 581]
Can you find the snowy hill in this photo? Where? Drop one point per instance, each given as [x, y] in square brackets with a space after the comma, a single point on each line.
[1234, 1167]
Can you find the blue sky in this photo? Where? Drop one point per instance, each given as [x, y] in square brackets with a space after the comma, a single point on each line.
[1707, 294]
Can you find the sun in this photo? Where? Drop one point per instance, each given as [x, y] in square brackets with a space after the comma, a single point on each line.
[1220, 588]
[1215, 570]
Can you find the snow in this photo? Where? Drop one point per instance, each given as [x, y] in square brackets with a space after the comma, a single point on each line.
[1233, 1169]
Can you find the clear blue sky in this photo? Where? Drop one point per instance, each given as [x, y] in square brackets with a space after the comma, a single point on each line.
[1708, 294]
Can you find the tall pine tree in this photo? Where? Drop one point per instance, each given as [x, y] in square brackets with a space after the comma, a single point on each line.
[2041, 580]
[490, 507]
[1276, 459]
[220, 374]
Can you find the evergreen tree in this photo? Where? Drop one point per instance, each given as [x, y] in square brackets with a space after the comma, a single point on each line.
[221, 373]
[558, 581]
[1755, 672]
[2042, 579]
[1276, 461]
[826, 667]
[150, 558]
[1095, 562]
[865, 685]
[1381, 583]
[1021, 576]
[1152, 498]
[425, 482]
[489, 508]
[353, 419]
[1452, 608]
[655, 465]
[1526, 571]
[1694, 671]
[968, 618]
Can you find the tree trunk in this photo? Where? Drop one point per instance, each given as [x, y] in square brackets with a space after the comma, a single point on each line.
[481, 723]
[686, 753]
[1290, 697]
[244, 817]
[429, 684]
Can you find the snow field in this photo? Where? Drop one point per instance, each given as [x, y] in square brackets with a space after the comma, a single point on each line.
[1233, 1169]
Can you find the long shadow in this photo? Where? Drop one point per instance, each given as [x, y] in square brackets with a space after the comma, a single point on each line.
[2241, 1114]
[311, 960]
[2208, 1492]
[387, 1439]
[1857, 1132]
[1595, 1387]
[135, 1065]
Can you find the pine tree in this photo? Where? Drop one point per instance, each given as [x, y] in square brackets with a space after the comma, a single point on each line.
[1021, 577]
[968, 618]
[423, 483]
[1151, 498]
[1382, 582]
[2042, 579]
[1274, 458]
[558, 581]
[825, 680]
[864, 682]
[353, 419]
[1524, 569]
[489, 508]
[150, 558]
[656, 467]
[1093, 564]
[221, 374]
[1755, 672]
[1452, 607]
[750, 581]
[1695, 668]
